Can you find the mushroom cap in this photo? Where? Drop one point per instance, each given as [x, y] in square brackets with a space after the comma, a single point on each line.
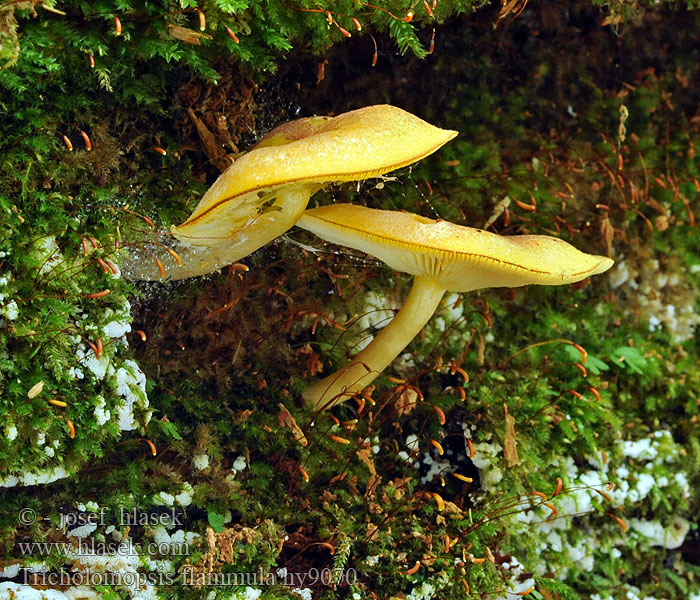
[459, 258]
[308, 153]
[291, 132]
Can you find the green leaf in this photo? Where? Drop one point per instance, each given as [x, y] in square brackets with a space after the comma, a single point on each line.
[630, 359]
[677, 580]
[107, 592]
[593, 364]
[170, 429]
[216, 520]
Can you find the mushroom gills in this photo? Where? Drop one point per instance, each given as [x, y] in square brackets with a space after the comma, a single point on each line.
[462, 258]
[247, 225]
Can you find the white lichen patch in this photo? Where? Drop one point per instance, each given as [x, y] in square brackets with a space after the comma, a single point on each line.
[436, 467]
[379, 311]
[239, 464]
[35, 478]
[670, 536]
[20, 591]
[184, 498]
[640, 470]
[110, 387]
[247, 593]
[121, 325]
[661, 294]
[97, 555]
[630, 592]
[123, 376]
[131, 386]
[97, 366]
[10, 310]
[10, 432]
[486, 459]
[429, 588]
[83, 531]
[102, 415]
[516, 584]
[200, 461]
[46, 250]
[164, 499]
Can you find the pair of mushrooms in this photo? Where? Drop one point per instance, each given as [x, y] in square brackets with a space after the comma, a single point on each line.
[265, 192]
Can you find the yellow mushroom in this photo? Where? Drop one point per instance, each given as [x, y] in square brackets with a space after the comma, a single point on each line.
[263, 193]
[442, 257]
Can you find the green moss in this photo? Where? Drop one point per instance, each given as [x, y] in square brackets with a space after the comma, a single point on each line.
[223, 354]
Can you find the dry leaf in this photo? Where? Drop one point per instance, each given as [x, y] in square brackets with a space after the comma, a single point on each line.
[189, 36]
[661, 223]
[510, 7]
[313, 365]
[510, 449]
[211, 539]
[481, 347]
[35, 390]
[8, 29]
[212, 148]
[364, 455]
[328, 497]
[608, 233]
[452, 509]
[372, 486]
[352, 485]
[406, 401]
[656, 206]
[286, 419]
[374, 508]
[372, 531]
[241, 416]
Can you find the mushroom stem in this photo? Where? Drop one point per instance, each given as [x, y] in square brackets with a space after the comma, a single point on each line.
[419, 307]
